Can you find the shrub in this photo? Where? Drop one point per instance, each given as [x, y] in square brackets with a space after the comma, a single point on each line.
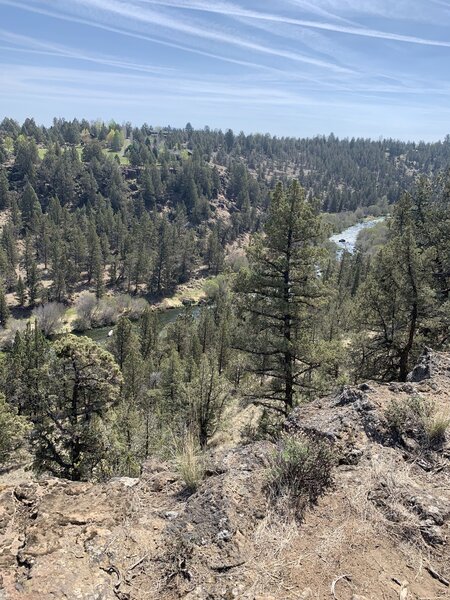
[190, 463]
[416, 417]
[436, 429]
[13, 430]
[107, 312]
[136, 308]
[300, 471]
[49, 317]
[85, 306]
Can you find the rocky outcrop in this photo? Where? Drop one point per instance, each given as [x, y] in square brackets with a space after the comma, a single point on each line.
[385, 522]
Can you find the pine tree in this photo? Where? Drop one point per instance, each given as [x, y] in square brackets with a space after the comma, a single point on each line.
[4, 310]
[123, 340]
[4, 190]
[278, 299]
[394, 302]
[207, 395]
[21, 294]
[33, 284]
[27, 373]
[30, 206]
[130, 419]
[148, 332]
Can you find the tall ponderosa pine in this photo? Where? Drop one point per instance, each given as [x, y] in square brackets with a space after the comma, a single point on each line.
[278, 297]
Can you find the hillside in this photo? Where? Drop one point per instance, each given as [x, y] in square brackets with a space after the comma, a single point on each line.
[380, 532]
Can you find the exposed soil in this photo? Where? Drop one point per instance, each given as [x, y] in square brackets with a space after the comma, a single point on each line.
[380, 533]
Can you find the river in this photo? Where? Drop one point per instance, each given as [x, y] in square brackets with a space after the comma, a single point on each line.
[100, 334]
[346, 240]
[349, 235]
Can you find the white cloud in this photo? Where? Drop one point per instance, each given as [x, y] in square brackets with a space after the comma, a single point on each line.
[234, 10]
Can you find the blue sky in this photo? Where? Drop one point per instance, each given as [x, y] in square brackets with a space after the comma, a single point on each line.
[288, 67]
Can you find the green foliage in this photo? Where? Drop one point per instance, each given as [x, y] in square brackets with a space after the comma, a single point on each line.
[278, 299]
[70, 437]
[4, 190]
[13, 431]
[4, 310]
[26, 372]
[207, 396]
[300, 472]
[397, 307]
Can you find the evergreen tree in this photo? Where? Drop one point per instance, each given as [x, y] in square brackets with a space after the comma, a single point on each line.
[4, 190]
[13, 431]
[278, 297]
[4, 310]
[21, 294]
[395, 302]
[207, 396]
[148, 332]
[33, 284]
[27, 372]
[71, 438]
[30, 206]
[123, 340]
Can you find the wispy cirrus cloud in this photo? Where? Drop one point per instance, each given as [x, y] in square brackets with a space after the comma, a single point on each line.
[235, 10]
[316, 61]
[40, 10]
[22, 43]
[155, 19]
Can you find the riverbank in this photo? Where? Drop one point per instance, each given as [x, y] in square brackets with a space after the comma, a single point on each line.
[346, 239]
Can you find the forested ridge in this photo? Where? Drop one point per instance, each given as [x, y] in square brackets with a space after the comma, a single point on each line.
[100, 222]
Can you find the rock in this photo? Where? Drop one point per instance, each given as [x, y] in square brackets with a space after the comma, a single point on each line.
[349, 395]
[424, 368]
[171, 515]
[431, 533]
[365, 387]
[26, 493]
[224, 535]
[126, 481]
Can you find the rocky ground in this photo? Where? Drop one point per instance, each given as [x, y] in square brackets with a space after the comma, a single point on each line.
[381, 532]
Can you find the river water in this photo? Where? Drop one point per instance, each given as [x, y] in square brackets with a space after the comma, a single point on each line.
[349, 235]
[165, 317]
[346, 240]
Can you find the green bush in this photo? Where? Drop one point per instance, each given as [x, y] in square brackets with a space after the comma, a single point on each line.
[13, 431]
[300, 471]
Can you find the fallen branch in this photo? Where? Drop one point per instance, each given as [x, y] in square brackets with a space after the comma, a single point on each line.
[437, 576]
[333, 585]
[137, 563]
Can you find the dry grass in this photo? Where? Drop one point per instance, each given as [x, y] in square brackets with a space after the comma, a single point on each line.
[274, 540]
[190, 463]
[418, 417]
[380, 501]
[436, 429]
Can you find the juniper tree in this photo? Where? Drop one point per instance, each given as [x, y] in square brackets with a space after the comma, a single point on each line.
[70, 440]
[207, 395]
